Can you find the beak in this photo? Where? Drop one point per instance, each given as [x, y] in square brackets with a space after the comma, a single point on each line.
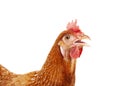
[85, 37]
[80, 41]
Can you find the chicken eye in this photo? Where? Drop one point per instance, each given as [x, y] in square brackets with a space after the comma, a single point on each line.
[67, 37]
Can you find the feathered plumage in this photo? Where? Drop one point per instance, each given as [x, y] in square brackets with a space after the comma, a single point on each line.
[59, 67]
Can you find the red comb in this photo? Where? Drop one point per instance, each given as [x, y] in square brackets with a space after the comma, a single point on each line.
[73, 27]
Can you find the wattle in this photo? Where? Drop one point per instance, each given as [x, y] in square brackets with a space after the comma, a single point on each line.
[75, 52]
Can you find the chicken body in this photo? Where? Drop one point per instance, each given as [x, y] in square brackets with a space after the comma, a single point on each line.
[55, 72]
[59, 67]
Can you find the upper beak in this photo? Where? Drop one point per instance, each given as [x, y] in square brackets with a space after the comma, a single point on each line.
[80, 38]
[85, 37]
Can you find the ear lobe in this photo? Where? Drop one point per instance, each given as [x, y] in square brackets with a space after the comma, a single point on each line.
[62, 51]
[60, 43]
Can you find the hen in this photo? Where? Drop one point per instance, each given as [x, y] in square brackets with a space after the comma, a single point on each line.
[59, 67]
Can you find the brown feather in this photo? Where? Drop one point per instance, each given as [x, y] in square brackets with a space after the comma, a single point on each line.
[55, 71]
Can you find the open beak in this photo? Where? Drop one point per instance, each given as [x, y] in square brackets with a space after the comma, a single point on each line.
[80, 41]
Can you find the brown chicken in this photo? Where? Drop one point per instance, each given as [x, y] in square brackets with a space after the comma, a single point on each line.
[59, 67]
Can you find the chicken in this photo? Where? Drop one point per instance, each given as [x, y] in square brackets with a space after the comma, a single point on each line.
[59, 67]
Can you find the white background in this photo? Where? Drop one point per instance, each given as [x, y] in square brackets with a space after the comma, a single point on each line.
[28, 29]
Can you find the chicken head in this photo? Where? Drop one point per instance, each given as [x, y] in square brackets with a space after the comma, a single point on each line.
[71, 44]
